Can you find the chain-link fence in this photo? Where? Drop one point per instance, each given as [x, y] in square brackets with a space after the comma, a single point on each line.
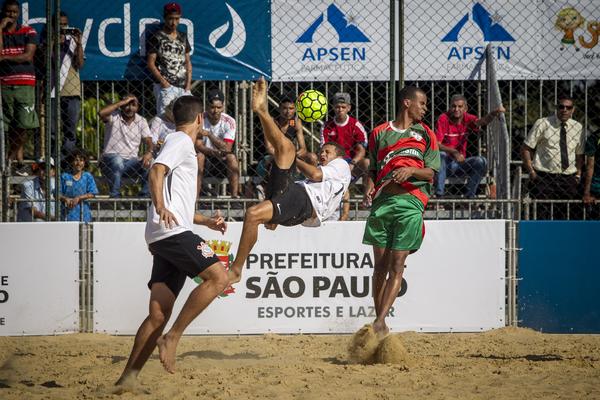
[95, 98]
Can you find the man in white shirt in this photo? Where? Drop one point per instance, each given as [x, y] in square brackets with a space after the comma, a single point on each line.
[290, 203]
[124, 131]
[215, 147]
[176, 250]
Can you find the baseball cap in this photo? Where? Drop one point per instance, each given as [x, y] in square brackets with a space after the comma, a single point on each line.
[41, 162]
[215, 94]
[172, 8]
[341, 97]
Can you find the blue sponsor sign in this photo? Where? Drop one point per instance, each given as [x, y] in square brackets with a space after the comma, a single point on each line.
[231, 40]
[558, 266]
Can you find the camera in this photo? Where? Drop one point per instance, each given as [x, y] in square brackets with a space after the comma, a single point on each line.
[69, 31]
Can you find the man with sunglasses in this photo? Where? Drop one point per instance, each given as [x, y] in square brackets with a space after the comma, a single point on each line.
[553, 156]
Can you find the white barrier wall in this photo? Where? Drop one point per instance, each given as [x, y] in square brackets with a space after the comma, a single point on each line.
[39, 273]
[316, 281]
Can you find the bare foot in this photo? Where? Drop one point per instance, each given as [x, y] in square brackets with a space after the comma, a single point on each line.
[167, 347]
[234, 274]
[381, 329]
[259, 96]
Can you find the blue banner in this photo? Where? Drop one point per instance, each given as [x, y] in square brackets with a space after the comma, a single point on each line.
[558, 266]
[231, 40]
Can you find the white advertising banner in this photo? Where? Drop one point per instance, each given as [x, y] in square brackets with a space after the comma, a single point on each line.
[330, 40]
[39, 278]
[447, 40]
[316, 280]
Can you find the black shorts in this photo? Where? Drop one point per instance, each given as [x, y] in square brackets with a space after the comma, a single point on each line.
[178, 256]
[291, 204]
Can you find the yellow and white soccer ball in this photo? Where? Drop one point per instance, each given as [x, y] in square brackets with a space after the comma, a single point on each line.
[311, 106]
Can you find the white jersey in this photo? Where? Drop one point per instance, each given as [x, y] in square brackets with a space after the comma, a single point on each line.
[179, 189]
[160, 128]
[224, 129]
[326, 196]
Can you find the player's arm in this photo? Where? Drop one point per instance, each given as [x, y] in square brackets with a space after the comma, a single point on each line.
[216, 222]
[313, 173]
[402, 174]
[156, 180]
[345, 214]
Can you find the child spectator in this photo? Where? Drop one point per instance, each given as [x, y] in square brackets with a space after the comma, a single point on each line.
[75, 187]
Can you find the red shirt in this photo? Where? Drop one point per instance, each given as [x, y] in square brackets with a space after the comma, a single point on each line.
[453, 134]
[15, 43]
[346, 135]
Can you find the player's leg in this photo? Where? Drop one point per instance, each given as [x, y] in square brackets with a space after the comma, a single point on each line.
[380, 272]
[214, 282]
[391, 289]
[161, 305]
[258, 214]
[284, 149]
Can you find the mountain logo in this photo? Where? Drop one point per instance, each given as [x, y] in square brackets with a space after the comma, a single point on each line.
[347, 31]
[488, 24]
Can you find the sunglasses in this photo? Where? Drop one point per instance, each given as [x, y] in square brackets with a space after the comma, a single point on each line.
[564, 107]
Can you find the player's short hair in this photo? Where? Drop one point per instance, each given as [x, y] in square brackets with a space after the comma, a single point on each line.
[408, 93]
[186, 109]
[458, 97]
[339, 150]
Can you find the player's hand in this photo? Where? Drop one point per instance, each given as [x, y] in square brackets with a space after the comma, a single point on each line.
[166, 217]
[402, 174]
[217, 223]
[367, 200]
[271, 227]
[588, 199]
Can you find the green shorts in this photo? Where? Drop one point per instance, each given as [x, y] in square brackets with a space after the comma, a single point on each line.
[395, 222]
[18, 104]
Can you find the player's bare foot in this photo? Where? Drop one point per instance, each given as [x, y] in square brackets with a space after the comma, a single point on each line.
[234, 274]
[259, 96]
[381, 329]
[167, 347]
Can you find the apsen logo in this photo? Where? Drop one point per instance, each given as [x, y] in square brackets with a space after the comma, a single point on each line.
[491, 29]
[237, 40]
[347, 32]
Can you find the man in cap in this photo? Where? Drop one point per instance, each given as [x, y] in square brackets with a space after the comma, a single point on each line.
[169, 59]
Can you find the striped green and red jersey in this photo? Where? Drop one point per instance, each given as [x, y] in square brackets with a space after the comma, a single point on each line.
[391, 148]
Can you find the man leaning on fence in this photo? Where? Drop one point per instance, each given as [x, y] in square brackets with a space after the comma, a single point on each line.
[124, 131]
[553, 157]
[17, 78]
[452, 130]
[169, 59]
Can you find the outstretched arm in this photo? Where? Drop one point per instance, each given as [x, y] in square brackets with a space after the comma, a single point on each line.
[313, 173]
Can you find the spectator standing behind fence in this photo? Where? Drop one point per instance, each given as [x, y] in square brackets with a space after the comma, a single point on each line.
[591, 186]
[34, 191]
[215, 143]
[17, 78]
[557, 142]
[71, 62]
[169, 59]
[349, 133]
[452, 131]
[76, 186]
[124, 131]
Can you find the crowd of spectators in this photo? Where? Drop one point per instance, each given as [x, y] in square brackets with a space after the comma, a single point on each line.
[553, 154]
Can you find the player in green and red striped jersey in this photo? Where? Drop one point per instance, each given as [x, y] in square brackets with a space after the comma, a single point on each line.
[403, 157]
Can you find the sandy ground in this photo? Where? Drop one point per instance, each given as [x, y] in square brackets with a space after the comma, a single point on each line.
[508, 363]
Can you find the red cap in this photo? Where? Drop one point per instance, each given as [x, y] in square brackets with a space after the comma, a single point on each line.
[172, 8]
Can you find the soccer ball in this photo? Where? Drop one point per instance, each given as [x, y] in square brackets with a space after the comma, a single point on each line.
[311, 106]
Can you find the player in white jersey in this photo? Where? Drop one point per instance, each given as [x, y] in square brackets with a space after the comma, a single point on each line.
[177, 252]
[287, 202]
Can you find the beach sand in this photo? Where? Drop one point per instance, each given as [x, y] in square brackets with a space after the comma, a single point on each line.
[508, 363]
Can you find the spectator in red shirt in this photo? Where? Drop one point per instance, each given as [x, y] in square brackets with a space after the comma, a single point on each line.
[452, 130]
[349, 133]
[17, 76]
